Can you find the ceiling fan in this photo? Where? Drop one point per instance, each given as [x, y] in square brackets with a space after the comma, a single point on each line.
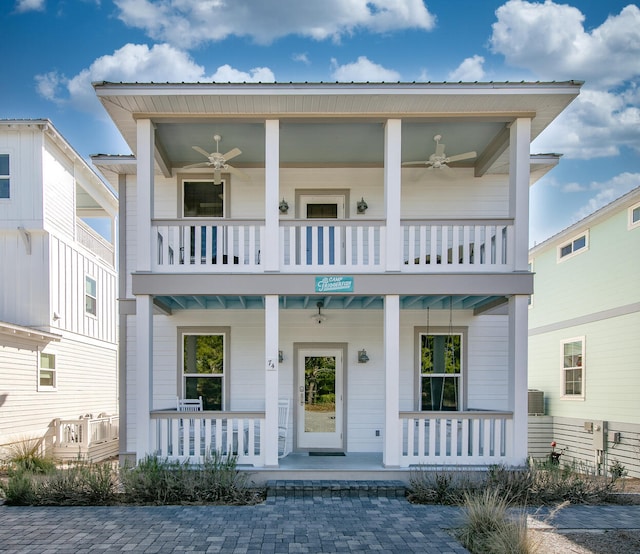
[218, 161]
[439, 159]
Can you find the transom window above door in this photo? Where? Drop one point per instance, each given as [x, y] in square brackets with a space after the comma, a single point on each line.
[203, 198]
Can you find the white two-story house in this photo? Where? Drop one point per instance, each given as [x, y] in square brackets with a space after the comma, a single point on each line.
[58, 311]
[333, 268]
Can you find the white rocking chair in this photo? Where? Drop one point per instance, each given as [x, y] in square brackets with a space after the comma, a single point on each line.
[283, 427]
[189, 404]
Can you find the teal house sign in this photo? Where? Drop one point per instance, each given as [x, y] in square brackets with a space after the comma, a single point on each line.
[334, 283]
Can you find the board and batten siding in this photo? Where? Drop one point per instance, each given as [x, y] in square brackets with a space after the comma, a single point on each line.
[487, 361]
[69, 266]
[85, 383]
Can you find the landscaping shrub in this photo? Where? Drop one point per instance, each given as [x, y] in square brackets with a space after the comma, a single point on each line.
[27, 454]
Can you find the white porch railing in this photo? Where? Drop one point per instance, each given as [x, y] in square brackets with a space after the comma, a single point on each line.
[465, 438]
[93, 242]
[211, 245]
[194, 435]
[86, 438]
[481, 245]
[331, 245]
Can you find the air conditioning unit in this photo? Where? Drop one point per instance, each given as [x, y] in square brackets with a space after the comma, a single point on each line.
[536, 402]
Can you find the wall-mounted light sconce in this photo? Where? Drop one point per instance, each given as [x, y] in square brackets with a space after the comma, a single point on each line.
[283, 206]
[280, 356]
[362, 206]
[56, 316]
[362, 356]
[319, 318]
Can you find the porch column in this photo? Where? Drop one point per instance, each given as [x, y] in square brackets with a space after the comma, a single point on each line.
[144, 374]
[271, 193]
[391, 454]
[518, 399]
[144, 193]
[519, 175]
[271, 338]
[392, 180]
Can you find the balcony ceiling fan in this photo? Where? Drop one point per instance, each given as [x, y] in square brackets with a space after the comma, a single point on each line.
[439, 159]
[218, 161]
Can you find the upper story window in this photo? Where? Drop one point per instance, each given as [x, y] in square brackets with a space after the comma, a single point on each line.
[90, 296]
[203, 198]
[573, 368]
[440, 371]
[47, 372]
[634, 216]
[5, 176]
[574, 246]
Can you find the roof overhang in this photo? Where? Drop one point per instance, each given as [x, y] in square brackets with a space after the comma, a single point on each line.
[29, 333]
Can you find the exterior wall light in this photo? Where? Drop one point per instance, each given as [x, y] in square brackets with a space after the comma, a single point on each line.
[362, 206]
[283, 206]
[362, 356]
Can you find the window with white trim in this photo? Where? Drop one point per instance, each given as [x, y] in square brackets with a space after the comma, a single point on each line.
[5, 177]
[440, 371]
[575, 246]
[203, 198]
[90, 296]
[47, 371]
[634, 216]
[573, 368]
[203, 368]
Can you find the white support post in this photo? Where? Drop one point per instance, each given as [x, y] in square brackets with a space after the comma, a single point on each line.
[518, 344]
[271, 338]
[144, 374]
[144, 191]
[392, 192]
[391, 454]
[519, 176]
[271, 193]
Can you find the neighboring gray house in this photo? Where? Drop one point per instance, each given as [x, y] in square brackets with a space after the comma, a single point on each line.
[58, 336]
[318, 247]
[584, 338]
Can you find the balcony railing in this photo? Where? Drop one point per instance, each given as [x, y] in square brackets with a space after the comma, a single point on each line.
[195, 435]
[466, 438]
[86, 438]
[333, 246]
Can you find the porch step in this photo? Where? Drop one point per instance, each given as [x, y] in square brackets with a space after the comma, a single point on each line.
[335, 489]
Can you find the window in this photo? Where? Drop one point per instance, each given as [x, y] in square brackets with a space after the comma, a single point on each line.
[47, 372]
[90, 295]
[634, 216]
[572, 247]
[440, 371]
[573, 368]
[203, 198]
[4, 176]
[203, 368]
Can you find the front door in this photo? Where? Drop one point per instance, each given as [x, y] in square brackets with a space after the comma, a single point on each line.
[320, 399]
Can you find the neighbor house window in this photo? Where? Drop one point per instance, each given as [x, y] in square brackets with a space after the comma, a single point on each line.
[90, 296]
[47, 372]
[203, 368]
[203, 198]
[634, 216]
[573, 368]
[4, 176]
[440, 371]
[575, 245]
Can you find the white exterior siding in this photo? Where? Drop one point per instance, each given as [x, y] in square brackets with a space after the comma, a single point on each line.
[59, 192]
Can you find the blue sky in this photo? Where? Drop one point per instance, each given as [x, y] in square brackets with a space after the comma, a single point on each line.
[54, 49]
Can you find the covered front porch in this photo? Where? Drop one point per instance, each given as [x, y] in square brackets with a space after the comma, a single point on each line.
[383, 415]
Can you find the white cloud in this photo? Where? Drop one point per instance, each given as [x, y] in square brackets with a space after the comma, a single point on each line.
[138, 63]
[363, 70]
[550, 40]
[607, 192]
[29, 6]
[187, 23]
[469, 70]
[301, 58]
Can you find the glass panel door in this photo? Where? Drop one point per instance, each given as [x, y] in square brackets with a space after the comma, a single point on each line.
[320, 399]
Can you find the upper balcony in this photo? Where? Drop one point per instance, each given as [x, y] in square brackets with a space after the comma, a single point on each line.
[333, 246]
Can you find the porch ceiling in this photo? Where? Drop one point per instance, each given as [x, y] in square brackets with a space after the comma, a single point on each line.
[330, 302]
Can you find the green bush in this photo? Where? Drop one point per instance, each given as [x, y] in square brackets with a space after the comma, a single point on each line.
[27, 454]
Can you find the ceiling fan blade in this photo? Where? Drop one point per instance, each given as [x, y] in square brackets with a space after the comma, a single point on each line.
[232, 154]
[459, 157]
[202, 151]
[422, 162]
[236, 171]
[203, 164]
